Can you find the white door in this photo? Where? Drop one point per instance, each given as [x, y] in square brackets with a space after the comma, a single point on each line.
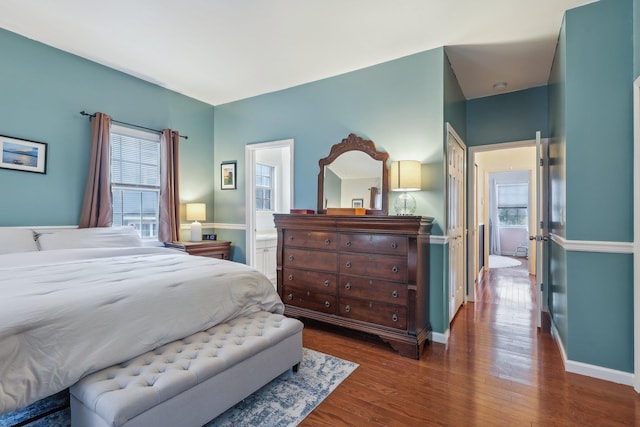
[541, 236]
[456, 162]
[256, 221]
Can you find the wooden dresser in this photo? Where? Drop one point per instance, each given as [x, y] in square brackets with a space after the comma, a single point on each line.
[368, 273]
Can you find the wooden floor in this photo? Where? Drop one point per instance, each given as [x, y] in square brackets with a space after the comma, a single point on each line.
[496, 370]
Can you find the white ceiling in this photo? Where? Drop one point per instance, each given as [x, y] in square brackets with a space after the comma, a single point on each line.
[219, 51]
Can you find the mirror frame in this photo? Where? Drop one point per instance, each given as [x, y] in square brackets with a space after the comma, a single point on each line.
[355, 143]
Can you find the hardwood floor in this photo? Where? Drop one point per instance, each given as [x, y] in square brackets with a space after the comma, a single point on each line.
[496, 370]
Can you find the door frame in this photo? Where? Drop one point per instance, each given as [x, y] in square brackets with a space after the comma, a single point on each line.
[636, 233]
[472, 208]
[250, 177]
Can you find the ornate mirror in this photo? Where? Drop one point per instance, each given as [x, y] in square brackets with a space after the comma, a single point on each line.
[354, 174]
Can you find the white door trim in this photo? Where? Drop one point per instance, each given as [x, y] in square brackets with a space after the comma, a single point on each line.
[250, 203]
[636, 234]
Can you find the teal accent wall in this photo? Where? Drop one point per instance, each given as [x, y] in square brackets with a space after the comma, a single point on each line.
[509, 117]
[455, 107]
[438, 297]
[600, 307]
[599, 120]
[44, 89]
[397, 104]
[636, 38]
[591, 128]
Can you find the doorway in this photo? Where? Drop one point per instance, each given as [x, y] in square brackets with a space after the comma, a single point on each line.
[503, 160]
[269, 177]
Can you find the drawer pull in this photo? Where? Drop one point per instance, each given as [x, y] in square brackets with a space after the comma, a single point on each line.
[394, 269]
[394, 317]
[394, 245]
[327, 241]
[327, 304]
[290, 297]
[348, 264]
[347, 308]
[348, 243]
[326, 283]
[290, 237]
[347, 286]
[394, 294]
[291, 277]
[290, 257]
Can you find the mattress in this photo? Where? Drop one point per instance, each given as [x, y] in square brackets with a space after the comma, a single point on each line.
[67, 313]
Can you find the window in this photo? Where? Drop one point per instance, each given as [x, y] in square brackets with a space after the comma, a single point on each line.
[264, 187]
[513, 201]
[135, 179]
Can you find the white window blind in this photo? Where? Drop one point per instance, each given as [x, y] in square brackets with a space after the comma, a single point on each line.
[135, 179]
[513, 195]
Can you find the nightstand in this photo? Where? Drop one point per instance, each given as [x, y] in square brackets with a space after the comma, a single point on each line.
[210, 248]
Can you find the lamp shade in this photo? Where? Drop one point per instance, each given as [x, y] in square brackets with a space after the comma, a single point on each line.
[196, 212]
[405, 175]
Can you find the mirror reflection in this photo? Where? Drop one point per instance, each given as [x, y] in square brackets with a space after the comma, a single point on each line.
[353, 180]
[354, 175]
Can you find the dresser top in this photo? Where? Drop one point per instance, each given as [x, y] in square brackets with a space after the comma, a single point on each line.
[362, 223]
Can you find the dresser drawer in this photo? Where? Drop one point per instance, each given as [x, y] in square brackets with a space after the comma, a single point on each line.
[312, 280]
[310, 239]
[373, 243]
[310, 260]
[374, 312]
[372, 289]
[379, 266]
[316, 301]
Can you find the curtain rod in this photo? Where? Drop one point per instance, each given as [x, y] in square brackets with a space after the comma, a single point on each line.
[84, 113]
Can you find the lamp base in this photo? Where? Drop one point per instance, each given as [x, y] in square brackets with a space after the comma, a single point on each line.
[196, 231]
[405, 204]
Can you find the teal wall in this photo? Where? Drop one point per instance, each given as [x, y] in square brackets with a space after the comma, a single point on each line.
[455, 106]
[399, 105]
[509, 117]
[44, 89]
[591, 127]
[636, 38]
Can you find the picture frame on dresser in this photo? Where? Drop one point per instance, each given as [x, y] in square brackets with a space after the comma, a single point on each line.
[23, 155]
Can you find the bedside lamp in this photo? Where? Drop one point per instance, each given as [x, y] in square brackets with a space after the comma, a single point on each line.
[195, 212]
[405, 176]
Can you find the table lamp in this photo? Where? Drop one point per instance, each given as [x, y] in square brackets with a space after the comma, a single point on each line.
[405, 176]
[196, 212]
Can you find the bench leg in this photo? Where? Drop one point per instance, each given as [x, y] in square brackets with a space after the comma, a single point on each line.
[295, 367]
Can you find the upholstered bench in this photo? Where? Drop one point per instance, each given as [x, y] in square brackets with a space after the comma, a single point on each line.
[190, 381]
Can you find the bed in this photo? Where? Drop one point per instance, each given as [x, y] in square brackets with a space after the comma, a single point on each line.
[76, 301]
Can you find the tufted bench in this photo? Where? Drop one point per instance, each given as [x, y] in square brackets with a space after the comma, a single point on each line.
[190, 381]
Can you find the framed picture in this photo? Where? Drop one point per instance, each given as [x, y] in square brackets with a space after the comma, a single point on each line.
[357, 203]
[228, 175]
[23, 155]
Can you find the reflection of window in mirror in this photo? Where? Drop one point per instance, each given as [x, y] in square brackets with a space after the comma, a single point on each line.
[264, 187]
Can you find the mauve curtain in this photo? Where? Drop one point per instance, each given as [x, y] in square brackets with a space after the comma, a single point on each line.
[169, 226]
[96, 206]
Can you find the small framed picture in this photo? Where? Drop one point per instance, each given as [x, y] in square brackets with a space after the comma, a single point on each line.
[228, 175]
[357, 203]
[23, 155]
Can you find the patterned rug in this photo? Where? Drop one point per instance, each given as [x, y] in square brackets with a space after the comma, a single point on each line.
[285, 401]
[497, 261]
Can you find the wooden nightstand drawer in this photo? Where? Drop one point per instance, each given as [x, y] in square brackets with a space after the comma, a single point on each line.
[209, 248]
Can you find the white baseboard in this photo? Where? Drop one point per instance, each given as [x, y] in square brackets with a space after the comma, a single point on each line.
[440, 337]
[588, 370]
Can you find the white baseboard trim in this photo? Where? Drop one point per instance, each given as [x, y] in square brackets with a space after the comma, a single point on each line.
[593, 245]
[594, 371]
[440, 337]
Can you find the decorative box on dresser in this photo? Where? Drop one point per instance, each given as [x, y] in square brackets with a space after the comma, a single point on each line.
[368, 273]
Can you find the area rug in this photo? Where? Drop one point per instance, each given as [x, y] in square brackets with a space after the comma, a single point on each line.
[285, 401]
[497, 261]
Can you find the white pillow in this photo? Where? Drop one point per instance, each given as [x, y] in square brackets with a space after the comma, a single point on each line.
[102, 237]
[17, 240]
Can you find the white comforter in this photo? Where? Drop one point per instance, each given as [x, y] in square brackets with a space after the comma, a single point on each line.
[66, 313]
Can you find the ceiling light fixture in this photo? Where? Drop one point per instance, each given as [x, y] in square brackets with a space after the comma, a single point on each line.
[500, 85]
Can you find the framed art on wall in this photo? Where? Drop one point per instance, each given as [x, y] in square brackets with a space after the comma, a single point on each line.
[23, 155]
[228, 175]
